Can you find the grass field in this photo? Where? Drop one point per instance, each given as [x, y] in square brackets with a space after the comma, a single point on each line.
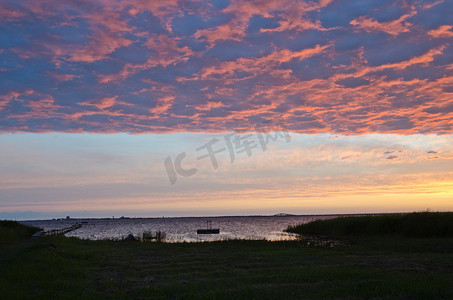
[360, 267]
[13, 231]
[417, 224]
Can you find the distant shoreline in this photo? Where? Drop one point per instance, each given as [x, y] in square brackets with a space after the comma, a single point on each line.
[212, 217]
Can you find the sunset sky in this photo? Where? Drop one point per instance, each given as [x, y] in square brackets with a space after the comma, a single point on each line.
[110, 108]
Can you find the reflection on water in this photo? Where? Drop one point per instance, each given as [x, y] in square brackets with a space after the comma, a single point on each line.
[182, 229]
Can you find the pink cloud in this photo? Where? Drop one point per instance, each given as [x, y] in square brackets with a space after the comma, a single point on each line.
[163, 105]
[394, 27]
[444, 31]
[140, 66]
[260, 65]
[13, 96]
[292, 14]
[9, 14]
[166, 50]
[105, 103]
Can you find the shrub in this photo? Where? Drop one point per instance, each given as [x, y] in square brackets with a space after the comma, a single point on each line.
[158, 236]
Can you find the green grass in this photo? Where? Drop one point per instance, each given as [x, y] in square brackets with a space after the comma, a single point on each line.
[389, 267]
[67, 268]
[13, 231]
[418, 224]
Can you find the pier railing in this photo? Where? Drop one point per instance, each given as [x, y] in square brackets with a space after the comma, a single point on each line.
[62, 230]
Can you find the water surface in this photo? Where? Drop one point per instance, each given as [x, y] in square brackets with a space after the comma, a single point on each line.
[182, 229]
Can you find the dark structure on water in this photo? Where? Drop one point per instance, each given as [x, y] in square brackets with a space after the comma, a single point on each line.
[209, 229]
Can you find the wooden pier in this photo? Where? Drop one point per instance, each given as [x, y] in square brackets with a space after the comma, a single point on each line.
[62, 230]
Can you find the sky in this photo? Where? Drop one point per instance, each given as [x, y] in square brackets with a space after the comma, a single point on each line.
[195, 108]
